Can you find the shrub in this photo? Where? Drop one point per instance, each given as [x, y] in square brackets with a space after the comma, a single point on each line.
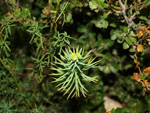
[41, 46]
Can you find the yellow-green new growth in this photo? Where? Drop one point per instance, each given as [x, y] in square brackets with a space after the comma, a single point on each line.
[73, 56]
[70, 71]
[79, 55]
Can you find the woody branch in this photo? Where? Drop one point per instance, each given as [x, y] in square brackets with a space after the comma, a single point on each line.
[128, 18]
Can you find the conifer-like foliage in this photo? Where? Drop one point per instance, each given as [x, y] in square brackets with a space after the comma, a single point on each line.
[71, 71]
[42, 55]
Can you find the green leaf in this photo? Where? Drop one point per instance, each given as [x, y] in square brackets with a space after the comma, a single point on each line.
[101, 0]
[133, 40]
[113, 111]
[114, 36]
[105, 24]
[81, 29]
[107, 55]
[101, 24]
[102, 3]
[147, 2]
[132, 50]
[105, 15]
[25, 13]
[143, 18]
[113, 25]
[100, 38]
[110, 43]
[128, 40]
[93, 4]
[137, 12]
[114, 67]
[106, 69]
[132, 33]
[69, 17]
[125, 29]
[92, 35]
[17, 12]
[125, 45]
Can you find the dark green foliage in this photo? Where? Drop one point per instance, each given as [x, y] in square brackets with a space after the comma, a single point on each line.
[34, 35]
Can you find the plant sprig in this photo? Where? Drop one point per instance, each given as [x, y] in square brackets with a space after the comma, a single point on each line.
[70, 72]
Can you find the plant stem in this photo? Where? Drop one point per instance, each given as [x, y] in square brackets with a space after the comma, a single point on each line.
[54, 19]
[19, 88]
[11, 71]
[35, 87]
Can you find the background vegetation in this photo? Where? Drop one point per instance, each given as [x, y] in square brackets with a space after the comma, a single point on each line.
[88, 48]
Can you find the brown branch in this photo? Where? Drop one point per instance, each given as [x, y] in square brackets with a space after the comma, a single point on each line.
[137, 10]
[113, 10]
[136, 5]
[123, 7]
[103, 9]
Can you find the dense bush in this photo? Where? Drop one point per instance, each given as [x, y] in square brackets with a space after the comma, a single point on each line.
[83, 49]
